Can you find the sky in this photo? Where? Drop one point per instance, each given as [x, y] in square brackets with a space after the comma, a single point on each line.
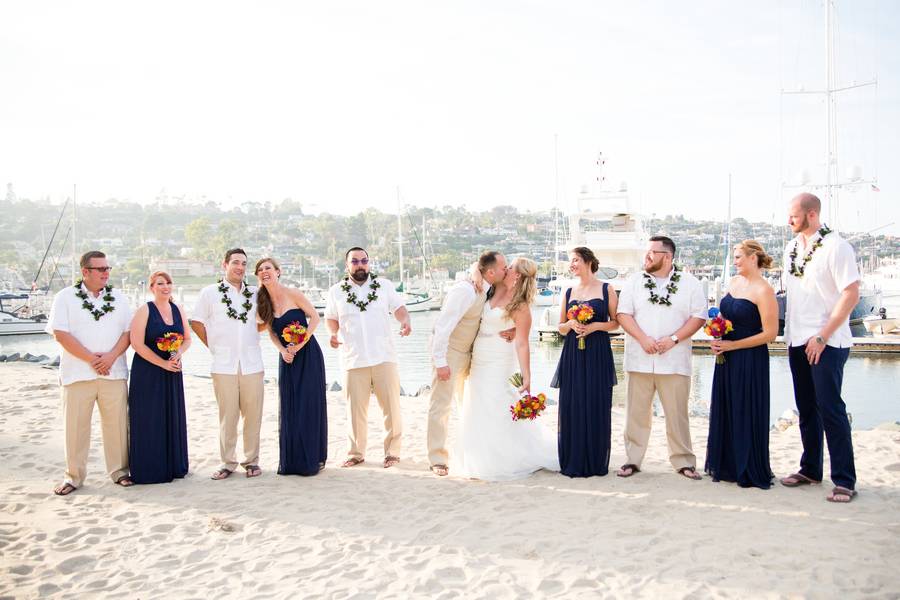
[338, 105]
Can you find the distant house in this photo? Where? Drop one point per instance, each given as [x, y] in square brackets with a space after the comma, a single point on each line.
[183, 267]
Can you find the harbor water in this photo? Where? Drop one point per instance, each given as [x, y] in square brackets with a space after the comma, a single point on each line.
[868, 379]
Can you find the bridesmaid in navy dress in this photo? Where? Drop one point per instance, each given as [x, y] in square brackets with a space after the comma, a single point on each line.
[303, 422]
[158, 450]
[738, 446]
[586, 377]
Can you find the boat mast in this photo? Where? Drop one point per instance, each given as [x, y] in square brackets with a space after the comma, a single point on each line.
[726, 265]
[74, 236]
[400, 235]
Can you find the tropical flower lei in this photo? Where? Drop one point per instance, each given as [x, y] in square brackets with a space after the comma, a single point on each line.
[797, 271]
[650, 284]
[371, 297]
[88, 306]
[226, 300]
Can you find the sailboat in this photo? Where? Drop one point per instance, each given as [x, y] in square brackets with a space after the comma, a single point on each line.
[870, 298]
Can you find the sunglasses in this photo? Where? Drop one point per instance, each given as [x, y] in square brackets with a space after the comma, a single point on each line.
[101, 269]
[361, 261]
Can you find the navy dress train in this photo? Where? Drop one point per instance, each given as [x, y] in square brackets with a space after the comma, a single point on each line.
[586, 379]
[158, 451]
[302, 421]
[738, 446]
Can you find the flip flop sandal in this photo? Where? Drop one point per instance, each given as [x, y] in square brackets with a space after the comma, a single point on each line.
[634, 469]
[690, 473]
[841, 491]
[798, 479]
[390, 461]
[254, 471]
[352, 462]
[221, 474]
[440, 470]
[65, 489]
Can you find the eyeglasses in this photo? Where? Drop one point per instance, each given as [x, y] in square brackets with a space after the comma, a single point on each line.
[101, 269]
[361, 261]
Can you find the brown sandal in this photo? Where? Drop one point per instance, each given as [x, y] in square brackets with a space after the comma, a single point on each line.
[221, 474]
[440, 470]
[253, 471]
[125, 481]
[629, 467]
[841, 491]
[352, 462]
[65, 489]
[690, 473]
[390, 461]
[798, 479]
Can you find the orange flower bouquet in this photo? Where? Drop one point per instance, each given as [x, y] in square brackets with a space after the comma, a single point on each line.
[293, 333]
[170, 343]
[583, 313]
[528, 407]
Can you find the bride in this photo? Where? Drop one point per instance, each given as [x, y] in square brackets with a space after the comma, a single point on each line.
[490, 445]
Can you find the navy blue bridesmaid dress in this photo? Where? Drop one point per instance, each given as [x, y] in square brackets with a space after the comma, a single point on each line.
[738, 446]
[586, 379]
[158, 450]
[303, 417]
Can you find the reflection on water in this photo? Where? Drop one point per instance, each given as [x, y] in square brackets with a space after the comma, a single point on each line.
[866, 377]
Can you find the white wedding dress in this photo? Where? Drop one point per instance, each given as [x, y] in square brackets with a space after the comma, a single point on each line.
[489, 444]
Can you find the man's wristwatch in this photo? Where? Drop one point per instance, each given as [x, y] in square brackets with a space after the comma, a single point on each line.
[820, 340]
[674, 338]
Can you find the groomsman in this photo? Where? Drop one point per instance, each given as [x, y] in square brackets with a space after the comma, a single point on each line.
[451, 350]
[357, 313]
[90, 320]
[660, 309]
[822, 284]
[225, 321]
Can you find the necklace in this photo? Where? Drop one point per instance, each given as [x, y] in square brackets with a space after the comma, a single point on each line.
[650, 284]
[226, 300]
[371, 297]
[797, 271]
[89, 306]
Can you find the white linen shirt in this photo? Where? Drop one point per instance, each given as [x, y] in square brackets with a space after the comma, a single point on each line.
[811, 299]
[231, 342]
[366, 336]
[67, 314]
[457, 303]
[657, 321]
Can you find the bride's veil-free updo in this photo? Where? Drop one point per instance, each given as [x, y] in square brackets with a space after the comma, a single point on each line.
[526, 286]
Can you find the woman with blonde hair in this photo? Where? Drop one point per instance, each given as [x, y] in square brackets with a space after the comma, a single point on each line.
[738, 445]
[158, 440]
[490, 445]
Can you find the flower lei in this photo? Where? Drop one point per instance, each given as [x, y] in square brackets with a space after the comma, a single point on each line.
[797, 271]
[226, 300]
[351, 295]
[89, 306]
[650, 284]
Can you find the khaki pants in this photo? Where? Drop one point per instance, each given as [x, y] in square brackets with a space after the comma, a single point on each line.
[111, 395]
[239, 395]
[442, 394]
[358, 386]
[674, 391]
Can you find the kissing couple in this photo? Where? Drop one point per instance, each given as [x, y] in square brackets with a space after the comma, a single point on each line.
[480, 340]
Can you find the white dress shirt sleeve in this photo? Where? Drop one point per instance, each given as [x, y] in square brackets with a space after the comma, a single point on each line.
[459, 299]
[843, 266]
[626, 299]
[127, 314]
[59, 314]
[202, 308]
[331, 311]
[698, 306]
[393, 297]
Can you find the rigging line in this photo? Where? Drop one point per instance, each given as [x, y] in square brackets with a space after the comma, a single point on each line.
[52, 237]
[55, 271]
[418, 241]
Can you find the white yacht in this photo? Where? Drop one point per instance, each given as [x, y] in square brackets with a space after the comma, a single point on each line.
[605, 222]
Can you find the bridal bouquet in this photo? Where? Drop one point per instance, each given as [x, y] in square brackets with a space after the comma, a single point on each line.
[528, 407]
[716, 327]
[293, 333]
[583, 313]
[170, 343]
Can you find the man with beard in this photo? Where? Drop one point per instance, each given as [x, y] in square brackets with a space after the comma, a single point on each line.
[822, 283]
[357, 314]
[660, 309]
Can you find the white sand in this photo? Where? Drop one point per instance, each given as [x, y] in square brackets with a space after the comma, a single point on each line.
[367, 531]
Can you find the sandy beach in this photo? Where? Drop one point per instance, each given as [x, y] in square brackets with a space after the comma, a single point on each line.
[370, 532]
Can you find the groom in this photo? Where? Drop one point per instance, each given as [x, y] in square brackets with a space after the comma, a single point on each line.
[451, 350]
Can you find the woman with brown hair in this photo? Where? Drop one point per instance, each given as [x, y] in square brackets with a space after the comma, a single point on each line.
[302, 416]
[738, 445]
[160, 336]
